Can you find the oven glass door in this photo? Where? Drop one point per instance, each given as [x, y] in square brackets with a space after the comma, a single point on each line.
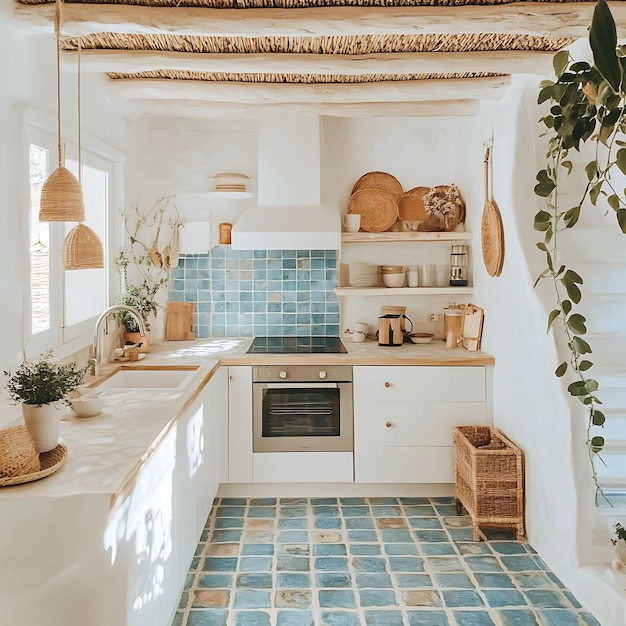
[302, 417]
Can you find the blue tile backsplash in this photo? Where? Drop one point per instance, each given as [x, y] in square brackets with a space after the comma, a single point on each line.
[258, 293]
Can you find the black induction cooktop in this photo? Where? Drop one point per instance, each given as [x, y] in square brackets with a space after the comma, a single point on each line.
[291, 345]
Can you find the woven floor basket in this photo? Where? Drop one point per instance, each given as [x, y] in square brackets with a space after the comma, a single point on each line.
[489, 477]
[62, 198]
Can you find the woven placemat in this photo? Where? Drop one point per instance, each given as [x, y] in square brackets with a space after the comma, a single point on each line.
[50, 461]
[411, 206]
[378, 209]
[18, 455]
[379, 180]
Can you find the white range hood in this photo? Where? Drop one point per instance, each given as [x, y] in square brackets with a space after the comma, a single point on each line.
[289, 215]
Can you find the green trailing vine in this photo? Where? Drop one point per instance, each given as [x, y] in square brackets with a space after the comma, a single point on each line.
[588, 107]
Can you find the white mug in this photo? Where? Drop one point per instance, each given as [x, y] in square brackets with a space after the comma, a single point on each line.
[358, 337]
[361, 327]
[352, 222]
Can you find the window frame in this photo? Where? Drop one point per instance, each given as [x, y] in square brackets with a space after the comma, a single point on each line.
[38, 131]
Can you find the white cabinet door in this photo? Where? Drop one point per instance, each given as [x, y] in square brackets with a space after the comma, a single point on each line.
[218, 391]
[240, 424]
[404, 419]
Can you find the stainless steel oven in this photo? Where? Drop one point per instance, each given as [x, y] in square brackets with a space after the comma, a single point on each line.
[302, 408]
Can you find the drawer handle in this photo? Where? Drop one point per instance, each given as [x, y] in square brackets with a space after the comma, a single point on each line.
[388, 424]
[387, 384]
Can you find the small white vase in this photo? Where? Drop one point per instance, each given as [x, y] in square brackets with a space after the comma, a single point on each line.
[43, 424]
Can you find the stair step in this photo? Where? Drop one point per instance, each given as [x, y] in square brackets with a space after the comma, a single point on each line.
[609, 349]
[593, 217]
[605, 313]
[602, 278]
[616, 507]
[591, 245]
[610, 376]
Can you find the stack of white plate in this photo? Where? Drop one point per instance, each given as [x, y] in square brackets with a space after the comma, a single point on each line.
[363, 275]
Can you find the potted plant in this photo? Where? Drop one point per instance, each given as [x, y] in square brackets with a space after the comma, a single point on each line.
[41, 386]
[141, 298]
[141, 279]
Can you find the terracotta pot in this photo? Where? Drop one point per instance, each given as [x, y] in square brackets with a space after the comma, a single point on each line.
[138, 338]
[43, 424]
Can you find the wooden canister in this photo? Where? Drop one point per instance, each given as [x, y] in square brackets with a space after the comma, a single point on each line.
[225, 228]
[453, 324]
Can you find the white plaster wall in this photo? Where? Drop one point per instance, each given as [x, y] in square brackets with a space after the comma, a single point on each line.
[28, 79]
[530, 404]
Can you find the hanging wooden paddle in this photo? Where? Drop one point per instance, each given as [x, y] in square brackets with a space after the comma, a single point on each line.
[153, 252]
[491, 229]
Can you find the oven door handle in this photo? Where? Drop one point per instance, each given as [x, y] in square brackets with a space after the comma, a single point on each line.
[315, 385]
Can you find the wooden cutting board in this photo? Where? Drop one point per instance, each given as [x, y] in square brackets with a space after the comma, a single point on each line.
[472, 327]
[179, 321]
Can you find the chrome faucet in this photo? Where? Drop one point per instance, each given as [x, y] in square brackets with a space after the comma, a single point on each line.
[94, 361]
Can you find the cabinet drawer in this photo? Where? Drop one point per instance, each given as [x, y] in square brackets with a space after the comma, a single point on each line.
[412, 464]
[413, 423]
[419, 384]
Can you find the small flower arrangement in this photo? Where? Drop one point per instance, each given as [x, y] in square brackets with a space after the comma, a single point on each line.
[443, 202]
[43, 381]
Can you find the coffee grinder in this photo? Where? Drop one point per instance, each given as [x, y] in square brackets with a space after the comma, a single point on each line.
[458, 266]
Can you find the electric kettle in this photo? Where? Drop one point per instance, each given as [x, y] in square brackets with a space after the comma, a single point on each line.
[390, 330]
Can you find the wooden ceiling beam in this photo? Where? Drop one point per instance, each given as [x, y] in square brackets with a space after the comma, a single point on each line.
[274, 93]
[220, 110]
[560, 19]
[506, 62]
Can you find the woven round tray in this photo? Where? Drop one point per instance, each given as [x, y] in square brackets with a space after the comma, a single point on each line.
[378, 209]
[18, 455]
[379, 180]
[411, 206]
[50, 461]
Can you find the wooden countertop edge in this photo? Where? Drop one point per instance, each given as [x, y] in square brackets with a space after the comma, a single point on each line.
[322, 359]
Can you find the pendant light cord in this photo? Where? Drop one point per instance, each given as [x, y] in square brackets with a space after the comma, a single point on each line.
[57, 33]
[80, 155]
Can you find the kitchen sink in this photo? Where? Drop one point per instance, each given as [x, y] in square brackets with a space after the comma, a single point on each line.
[152, 378]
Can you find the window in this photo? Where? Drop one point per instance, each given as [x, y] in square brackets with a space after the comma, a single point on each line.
[64, 304]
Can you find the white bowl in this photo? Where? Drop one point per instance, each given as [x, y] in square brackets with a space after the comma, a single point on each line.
[393, 280]
[89, 405]
[421, 337]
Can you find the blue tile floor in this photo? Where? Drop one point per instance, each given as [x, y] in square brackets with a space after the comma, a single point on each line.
[365, 561]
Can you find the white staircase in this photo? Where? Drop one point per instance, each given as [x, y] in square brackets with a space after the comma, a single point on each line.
[596, 249]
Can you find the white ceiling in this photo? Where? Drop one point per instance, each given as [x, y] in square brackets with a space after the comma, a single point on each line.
[199, 61]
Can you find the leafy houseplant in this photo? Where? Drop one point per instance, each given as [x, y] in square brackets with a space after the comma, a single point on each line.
[43, 381]
[588, 107]
[41, 386]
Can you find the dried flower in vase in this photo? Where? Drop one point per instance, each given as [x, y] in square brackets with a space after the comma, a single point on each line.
[443, 202]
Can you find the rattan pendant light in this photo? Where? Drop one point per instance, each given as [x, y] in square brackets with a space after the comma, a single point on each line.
[82, 248]
[61, 194]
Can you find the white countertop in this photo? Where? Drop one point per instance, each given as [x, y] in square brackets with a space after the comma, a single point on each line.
[104, 450]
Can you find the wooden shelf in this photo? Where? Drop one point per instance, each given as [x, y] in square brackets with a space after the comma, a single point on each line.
[363, 237]
[403, 291]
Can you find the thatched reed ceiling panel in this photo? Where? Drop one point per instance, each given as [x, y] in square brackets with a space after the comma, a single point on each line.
[345, 44]
[305, 79]
[294, 4]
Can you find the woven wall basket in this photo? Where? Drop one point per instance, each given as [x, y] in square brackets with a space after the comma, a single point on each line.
[61, 198]
[82, 249]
